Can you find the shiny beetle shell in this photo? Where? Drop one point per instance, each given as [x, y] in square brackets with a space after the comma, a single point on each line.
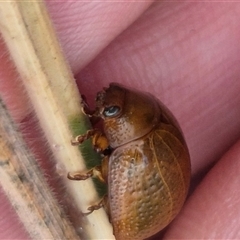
[148, 170]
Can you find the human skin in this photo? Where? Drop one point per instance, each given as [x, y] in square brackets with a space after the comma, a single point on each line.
[185, 53]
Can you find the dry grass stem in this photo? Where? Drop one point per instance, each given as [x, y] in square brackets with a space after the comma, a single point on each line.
[29, 36]
[24, 185]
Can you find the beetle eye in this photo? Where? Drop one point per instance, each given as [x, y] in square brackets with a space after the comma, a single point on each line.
[111, 111]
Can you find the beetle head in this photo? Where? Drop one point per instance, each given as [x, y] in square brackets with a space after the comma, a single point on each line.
[127, 114]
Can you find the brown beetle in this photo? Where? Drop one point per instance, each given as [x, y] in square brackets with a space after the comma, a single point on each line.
[148, 170]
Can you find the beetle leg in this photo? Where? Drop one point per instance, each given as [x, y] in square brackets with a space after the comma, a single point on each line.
[80, 176]
[99, 171]
[94, 172]
[87, 111]
[102, 203]
[81, 138]
[85, 107]
[99, 140]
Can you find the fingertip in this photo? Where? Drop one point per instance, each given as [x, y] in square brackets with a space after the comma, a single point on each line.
[213, 211]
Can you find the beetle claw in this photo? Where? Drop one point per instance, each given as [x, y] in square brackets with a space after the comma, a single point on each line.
[85, 107]
[81, 138]
[78, 140]
[80, 176]
[93, 208]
